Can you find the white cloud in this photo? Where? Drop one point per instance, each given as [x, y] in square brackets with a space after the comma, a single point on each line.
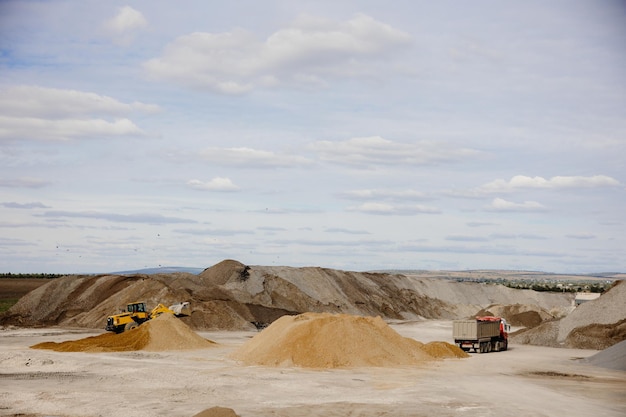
[216, 184]
[41, 113]
[499, 204]
[581, 236]
[466, 238]
[33, 205]
[558, 182]
[127, 19]
[509, 236]
[346, 231]
[146, 218]
[247, 157]
[27, 128]
[390, 209]
[383, 194]
[24, 182]
[310, 51]
[375, 150]
[45, 102]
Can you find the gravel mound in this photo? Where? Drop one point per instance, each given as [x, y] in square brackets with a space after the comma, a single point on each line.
[611, 358]
[543, 335]
[323, 340]
[165, 332]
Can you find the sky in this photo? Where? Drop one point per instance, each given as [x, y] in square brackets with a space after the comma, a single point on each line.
[356, 135]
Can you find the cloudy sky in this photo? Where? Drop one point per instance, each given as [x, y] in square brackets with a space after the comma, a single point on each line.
[354, 135]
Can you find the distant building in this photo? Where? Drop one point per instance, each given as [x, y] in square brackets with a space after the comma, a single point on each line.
[583, 297]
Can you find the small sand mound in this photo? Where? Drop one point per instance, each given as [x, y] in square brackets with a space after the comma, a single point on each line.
[217, 412]
[444, 350]
[165, 332]
[323, 340]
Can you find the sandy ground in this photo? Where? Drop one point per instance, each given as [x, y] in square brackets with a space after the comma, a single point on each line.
[523, 381]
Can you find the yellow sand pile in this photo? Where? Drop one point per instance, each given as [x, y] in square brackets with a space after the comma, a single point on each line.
[443, 350]
[165, 332]
[323, 340]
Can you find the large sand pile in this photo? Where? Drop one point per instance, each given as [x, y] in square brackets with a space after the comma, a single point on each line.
[323, 340]
[165, 332]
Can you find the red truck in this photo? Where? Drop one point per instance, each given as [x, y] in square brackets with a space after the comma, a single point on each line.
[484, 334]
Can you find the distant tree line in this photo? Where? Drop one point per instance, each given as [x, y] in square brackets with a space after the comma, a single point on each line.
[546, 286]
[596, 287]
[30, 275]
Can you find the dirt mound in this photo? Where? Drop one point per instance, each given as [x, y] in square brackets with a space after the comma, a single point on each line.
[323, 340]
[222, 272]
[597, 336]
[611, 358]
[165, 332]
[518, 315]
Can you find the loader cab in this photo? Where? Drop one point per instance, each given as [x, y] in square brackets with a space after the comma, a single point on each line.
[136, 307]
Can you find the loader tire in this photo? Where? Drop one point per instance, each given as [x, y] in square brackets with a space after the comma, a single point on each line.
[130, 326]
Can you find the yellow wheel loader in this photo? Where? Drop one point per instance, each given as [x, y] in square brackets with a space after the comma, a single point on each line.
[136, 314]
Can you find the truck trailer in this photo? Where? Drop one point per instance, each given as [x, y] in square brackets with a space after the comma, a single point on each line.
[484, 334]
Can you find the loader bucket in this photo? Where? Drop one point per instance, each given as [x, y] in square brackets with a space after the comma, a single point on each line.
[181, 309]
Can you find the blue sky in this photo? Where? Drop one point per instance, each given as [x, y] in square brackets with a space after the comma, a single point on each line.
[355, 135]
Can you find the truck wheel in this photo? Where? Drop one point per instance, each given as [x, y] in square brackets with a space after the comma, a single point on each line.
[496, 346]
[130, 326]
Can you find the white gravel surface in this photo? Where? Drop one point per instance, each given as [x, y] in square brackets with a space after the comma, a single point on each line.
[523, 381]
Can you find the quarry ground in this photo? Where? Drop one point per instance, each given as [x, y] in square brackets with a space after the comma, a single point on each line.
[525, 380]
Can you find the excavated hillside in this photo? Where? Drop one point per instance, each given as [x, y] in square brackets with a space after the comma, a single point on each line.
[596, 324]
[231, 295]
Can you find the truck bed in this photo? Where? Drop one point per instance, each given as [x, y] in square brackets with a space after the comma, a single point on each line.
[474, 329]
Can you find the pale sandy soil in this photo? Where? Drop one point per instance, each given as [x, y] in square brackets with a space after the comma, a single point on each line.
[523, 381]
